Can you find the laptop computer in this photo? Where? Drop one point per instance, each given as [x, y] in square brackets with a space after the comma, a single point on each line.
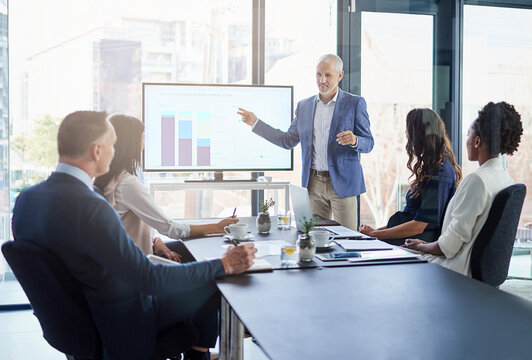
[301, 205]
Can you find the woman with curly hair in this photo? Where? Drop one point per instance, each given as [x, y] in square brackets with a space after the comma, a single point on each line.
[497, 130]
[435, 176]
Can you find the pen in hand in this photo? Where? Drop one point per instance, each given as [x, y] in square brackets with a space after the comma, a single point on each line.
[235, 242]
[234, 212]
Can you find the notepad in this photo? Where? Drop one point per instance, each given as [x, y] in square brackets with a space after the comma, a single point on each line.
[266, 247]
[160, 260]
[395, 254]
[258, 265]
[363, 245]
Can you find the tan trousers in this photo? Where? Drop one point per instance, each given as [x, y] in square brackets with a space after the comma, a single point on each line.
[324, 201]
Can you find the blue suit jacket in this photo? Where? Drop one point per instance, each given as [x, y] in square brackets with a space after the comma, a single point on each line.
[350, 113]
[64, 216]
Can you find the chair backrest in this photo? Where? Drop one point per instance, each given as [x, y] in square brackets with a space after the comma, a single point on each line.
[56, 298]
[492, 250]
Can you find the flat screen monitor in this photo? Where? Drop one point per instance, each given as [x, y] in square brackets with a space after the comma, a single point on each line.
[192, 127]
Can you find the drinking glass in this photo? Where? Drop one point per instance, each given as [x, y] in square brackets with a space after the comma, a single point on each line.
[289, 254]
[280, 222]
[283, 220]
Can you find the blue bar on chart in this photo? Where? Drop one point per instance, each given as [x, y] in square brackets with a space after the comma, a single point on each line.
[185, 137]
[203, 138]
[167, 138]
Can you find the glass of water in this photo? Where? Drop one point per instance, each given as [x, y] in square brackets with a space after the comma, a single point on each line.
[283, 220]
[289, 254]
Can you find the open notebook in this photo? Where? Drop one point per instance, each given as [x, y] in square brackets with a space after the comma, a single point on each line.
[258, 264]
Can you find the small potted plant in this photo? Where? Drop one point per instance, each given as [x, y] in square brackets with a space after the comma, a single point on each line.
[307, 247]
[264, 222]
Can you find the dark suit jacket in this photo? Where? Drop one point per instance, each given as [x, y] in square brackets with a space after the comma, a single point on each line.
[345, 170]
[64, 216]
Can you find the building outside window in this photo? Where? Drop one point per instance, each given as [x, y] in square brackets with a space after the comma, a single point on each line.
[4, 136]
[290, 58]
[396, 66]
[498, 67]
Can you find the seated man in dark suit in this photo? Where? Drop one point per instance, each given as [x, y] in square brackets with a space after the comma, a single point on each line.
[131, 299]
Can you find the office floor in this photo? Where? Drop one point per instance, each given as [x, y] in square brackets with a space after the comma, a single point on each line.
[11, 293]
[520, 266]
[21, 336]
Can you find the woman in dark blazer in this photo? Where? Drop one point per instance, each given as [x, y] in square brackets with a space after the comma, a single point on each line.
[435, 176]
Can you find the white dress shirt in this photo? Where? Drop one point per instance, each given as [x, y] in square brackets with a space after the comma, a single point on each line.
[466, 214]
[130, 194]
[320, 135]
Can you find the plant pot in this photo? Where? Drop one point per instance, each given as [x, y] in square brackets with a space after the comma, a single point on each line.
[264, 223]
[307, 248]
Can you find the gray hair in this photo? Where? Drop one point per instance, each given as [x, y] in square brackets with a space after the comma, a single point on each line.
[336, 58]
[79, 130]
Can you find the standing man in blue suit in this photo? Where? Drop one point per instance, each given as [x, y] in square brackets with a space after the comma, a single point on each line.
[131, 299]
[333, 128]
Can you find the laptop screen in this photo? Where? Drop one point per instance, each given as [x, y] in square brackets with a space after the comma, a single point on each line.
[300, 203]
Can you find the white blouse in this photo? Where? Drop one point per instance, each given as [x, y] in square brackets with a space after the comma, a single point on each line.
[131, 194]
[466, 214]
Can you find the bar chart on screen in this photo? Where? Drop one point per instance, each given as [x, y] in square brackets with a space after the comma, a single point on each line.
[193, 127]
[190, 152]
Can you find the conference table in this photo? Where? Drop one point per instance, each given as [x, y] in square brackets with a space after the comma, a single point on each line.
[389, 311]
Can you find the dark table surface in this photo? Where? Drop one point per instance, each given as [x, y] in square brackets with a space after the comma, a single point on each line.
[401, 311]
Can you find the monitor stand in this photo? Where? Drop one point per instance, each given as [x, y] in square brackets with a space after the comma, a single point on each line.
[219, 177]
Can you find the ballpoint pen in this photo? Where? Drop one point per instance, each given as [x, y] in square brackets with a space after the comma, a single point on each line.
[234, 212]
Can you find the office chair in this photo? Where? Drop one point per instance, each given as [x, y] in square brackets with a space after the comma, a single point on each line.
[492, 250]
[59, 304]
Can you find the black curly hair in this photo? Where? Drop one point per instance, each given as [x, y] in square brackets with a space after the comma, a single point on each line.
[499, 126]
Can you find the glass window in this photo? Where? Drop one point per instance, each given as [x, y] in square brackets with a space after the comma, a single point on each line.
[4, 139]
[297, 34]
[498, 67]
[97, 57]
[396, 63]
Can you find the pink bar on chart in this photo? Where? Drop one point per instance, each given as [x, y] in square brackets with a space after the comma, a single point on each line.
[167, 140]
[185, 152]
[204, 155]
